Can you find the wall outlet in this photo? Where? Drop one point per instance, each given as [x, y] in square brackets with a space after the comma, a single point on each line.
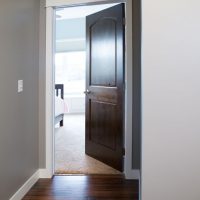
[20, 86]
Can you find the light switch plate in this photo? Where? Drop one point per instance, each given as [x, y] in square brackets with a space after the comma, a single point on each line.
[20, 86]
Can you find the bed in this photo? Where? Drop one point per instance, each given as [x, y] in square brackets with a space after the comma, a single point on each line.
[59, 104]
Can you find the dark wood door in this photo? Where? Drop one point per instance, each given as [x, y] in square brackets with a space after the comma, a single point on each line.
[105, 86]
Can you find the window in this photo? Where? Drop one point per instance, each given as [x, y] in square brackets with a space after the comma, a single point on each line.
[70, 70]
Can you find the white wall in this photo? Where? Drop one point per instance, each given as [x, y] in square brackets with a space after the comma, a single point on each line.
[75, 104]
[171, 100]
[70, 34]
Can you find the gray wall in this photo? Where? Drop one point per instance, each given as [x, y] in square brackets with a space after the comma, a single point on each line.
[19, 39]
[136, 157]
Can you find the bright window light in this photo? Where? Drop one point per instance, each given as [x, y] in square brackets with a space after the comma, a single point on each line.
[70, 70]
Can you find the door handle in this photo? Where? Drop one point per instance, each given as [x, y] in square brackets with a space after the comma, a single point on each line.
[87, 92]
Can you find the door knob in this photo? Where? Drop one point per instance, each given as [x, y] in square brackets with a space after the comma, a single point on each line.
[87, 92]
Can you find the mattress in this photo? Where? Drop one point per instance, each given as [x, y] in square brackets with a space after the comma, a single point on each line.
[59, 106]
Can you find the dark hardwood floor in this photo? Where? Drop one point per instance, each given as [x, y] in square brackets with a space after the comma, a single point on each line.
[93, 187]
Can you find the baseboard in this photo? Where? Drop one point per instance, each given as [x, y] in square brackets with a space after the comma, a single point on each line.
[45, 173]
[26, 187]
[41, 173]
[133, 174]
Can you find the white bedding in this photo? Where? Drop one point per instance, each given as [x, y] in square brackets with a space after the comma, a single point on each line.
[59, 106]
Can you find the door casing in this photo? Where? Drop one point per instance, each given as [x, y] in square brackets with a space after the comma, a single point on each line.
[49, 137]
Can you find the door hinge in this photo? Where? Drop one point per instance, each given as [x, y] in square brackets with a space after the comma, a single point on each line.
[123, 151]
[124, 21]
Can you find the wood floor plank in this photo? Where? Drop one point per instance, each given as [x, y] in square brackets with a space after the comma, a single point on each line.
[94, 187]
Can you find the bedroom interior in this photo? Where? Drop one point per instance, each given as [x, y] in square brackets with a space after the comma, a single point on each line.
[70, 83]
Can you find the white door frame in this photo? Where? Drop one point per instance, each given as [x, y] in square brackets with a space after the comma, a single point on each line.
[50, 5]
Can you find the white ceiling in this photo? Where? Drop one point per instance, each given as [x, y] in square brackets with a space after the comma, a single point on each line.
[80, 11]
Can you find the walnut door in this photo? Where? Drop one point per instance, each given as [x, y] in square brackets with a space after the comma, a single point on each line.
[105, 86]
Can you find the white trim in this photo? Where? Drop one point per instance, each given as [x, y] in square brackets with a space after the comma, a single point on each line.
[49, 90]
[60, 3]
[45, 173]
[41, 173]
[26, 187]
[129, 173]
[71, 40]
[133, 174]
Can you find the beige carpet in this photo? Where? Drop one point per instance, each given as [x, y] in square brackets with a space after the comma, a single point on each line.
[70, 155]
